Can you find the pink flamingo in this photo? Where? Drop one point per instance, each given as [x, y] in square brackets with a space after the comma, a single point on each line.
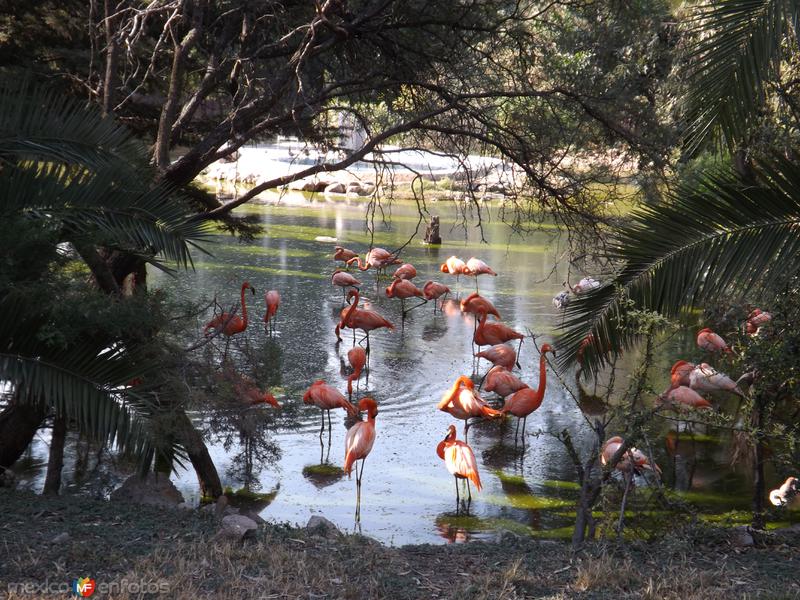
[476, 267]
[273, 300]
[682, 397]
[711, 342]
[705, 378]
[405, 271]
[377, 258]
[502, 382]
[454, 266]
[459, 460]
[358, 358]
[490, 334]
[632, 460]
[344, 280]
[679, 373]
[756, 319]
[527, 400]
[433, 291]
[463, 403]
[477, 305]
[356, 318]
[358, 444]
[231, 324]
[402, 288]
[326, 398]
[343, 254]
[500, 355]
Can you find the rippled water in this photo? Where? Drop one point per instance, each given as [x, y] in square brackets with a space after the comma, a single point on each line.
[408, 496]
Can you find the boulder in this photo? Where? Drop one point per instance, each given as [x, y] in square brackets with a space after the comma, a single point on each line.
[154, 489]
[319, 524]
[237, 527]
[335, 188]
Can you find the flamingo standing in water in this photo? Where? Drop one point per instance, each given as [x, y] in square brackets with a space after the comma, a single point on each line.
[377, 258]
[326, 398]
[500, 355]
[463, 403]
[405, 271]
[402, 288]
[433, 291]
[343, 254]
[502, 382]
[459, 460]
[247, 389]
[273, 300]
[231, 324]
[527, 400]
[356, 318]
[679, 373]
[358, 358]
[358, 443]
[711, 342]
[476, 267]
[454, 266]
[490, 334]
[344, 280]
[477, 305]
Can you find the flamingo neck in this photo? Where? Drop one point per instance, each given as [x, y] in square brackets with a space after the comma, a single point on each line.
[542, 377]
[352, 309]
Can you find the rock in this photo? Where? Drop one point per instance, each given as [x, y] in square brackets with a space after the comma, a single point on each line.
[367, 189]
[741, 537]
[335, 188]
[61, 538]
[255, 517]
[155, 489]
[184, 506]
[320, 524]
[237, 527]
[231, 511]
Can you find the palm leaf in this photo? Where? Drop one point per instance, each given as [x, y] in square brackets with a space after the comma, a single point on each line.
[718, 236]
[738, 50]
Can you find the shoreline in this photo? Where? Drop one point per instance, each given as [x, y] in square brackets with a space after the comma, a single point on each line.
[174, 553]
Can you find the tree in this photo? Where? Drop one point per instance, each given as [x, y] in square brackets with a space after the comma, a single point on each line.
[73, 183]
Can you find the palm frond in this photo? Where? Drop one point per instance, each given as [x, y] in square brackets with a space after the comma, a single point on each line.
[737, 52]
[719, 236]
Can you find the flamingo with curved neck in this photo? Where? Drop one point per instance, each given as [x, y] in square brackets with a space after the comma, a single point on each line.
[527, 400]
[230, 323]
[356, 318]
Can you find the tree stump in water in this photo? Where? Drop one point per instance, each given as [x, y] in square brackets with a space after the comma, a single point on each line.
[432, 232]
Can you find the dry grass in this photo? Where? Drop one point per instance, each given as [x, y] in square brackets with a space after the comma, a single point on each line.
[175, 549]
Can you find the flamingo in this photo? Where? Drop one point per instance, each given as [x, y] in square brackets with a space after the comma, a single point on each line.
[463, 403]
[584, 285]
[705, 378]
[489, 334]
[682, 397]
[784, 494]
[527, 400]
[343, 254]
[358, 443]
[231, 324]
[459, 460]
[326, 398]
[344, 280]
[356, 318]
[476, 267]
[632, 460]
[273, 300]
[454, 266]
[402, 288]
[756, 319]
[477, 305]
[247, 390]
[500, 355]
[679, 373]
[711, 342]
[502, 382]
[358, 358]
[405, 271]
[433, 291]
[377, 257]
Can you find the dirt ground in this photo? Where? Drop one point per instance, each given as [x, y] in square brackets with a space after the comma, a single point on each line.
[142, 552]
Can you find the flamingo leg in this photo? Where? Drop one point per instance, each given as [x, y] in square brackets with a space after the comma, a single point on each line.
[421, 304]
[519, 351]
[516, 433]
[322, 428]
[524, 422]
[469, 490]
[321, 450]
[457, 495]
[466, 428]
[329, 423]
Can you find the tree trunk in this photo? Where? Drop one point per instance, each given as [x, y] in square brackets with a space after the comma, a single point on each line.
[52, 482]
[207, 476]
[18, 425]
[112, 56]
[759, 488]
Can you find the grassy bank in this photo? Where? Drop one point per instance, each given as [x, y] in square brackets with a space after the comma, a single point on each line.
[174, 549]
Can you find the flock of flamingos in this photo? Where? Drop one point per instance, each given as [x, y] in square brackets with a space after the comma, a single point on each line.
[462, 401]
